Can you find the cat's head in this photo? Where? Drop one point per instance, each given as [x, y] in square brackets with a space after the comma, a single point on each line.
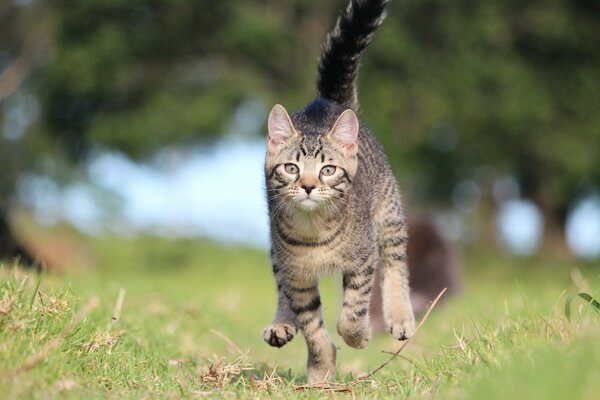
[311, 170]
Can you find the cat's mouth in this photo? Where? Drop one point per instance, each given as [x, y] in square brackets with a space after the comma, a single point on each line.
[307, 204]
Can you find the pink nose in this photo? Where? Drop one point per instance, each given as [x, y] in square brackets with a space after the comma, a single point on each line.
[308, 188]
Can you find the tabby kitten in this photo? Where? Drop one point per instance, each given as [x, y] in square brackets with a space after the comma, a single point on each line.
[334, 205]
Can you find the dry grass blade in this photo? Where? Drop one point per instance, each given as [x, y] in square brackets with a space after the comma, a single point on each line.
[220, 373]
[119, 305]
[326, 387]
[229, 341]
[395, 354]
[270, 381]
[54, 343]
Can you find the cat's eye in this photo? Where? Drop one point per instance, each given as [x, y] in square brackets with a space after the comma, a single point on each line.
[328, 170]
[291, 168]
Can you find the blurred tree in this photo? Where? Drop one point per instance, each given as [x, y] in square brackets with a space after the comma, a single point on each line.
[453, 89]
[138, 74]
[510, 85]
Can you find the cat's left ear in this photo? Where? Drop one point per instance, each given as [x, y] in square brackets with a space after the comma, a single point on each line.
[345, 132]
[280, 127]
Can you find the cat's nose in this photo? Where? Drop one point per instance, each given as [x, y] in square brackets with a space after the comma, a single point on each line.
[308, 188]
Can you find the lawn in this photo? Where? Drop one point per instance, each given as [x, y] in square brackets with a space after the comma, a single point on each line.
[155, 318]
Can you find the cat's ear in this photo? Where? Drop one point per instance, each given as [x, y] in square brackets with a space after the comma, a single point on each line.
[345, 132]
[280, 127]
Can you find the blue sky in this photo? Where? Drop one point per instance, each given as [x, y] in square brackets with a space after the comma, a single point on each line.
[216, 192]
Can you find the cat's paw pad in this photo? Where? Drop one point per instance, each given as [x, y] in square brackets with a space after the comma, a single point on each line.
[356, 334]
[401, 329]
[279, 334]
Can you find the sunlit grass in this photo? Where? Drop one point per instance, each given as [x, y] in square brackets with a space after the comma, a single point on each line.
[191, 321]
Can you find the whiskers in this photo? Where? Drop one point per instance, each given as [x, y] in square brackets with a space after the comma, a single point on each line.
[329, 205]
[281, 203]
[336, 203]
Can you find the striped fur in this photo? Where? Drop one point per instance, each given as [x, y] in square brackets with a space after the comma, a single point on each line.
[334, 209]
[342, 51]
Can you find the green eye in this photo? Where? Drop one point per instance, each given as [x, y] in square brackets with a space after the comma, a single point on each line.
[328, 170]
[291, 168]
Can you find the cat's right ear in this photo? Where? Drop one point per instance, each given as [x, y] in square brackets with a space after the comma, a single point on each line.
[280, 127]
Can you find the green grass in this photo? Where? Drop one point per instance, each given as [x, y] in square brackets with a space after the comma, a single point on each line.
[193, 314]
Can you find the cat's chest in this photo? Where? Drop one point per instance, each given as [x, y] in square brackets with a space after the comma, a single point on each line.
[312, 247]
[311, 260]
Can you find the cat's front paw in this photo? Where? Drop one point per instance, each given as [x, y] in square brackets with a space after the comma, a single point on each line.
[278, 334]
[402, 328]
[356, 333]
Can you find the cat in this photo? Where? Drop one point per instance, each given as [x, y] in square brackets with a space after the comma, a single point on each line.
[334, 205]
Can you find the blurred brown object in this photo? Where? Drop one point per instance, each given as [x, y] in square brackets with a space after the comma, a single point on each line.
[52, 249]
[11, 248]
[433, 264]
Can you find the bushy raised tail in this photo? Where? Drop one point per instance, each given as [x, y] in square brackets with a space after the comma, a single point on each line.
[342, 51]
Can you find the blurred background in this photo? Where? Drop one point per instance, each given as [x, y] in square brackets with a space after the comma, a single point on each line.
[147, 117]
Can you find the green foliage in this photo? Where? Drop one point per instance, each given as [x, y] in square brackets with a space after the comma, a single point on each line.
[136, 75]
[593, 303]
[513, 79]
[147, 128]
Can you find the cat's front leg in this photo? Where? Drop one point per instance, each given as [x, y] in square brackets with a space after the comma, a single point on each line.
[354, 325]
[398, 314]
[283, 328]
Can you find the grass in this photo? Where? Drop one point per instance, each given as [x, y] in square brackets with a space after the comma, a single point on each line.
[192, 314]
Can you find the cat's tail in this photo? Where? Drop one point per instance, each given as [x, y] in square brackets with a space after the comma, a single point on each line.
[342, 51]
